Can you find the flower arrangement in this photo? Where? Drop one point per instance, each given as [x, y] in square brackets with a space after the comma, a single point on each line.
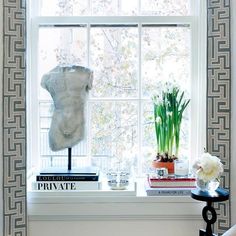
[208, 167]
[168, 114]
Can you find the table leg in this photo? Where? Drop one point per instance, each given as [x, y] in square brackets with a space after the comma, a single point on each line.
[210, 221]
[202, 232]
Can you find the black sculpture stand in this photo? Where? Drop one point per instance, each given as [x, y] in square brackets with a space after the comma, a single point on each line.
[209, 197]
[69, 171]
[69, 158]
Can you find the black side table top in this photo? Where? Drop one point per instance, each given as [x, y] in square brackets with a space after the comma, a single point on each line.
[218, 195]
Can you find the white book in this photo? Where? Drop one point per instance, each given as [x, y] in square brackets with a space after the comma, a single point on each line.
[65, 186]
[102, 191]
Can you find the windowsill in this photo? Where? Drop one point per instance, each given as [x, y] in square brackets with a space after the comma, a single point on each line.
[74, 206]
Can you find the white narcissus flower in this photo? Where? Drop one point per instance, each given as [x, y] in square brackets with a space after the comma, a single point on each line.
[158, 119]
[157, 100]
[208, 167]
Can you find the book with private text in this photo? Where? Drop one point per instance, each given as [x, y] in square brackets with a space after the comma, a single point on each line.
[65, 186]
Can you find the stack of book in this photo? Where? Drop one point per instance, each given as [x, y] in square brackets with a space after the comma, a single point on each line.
[64, 181]
[170, 186]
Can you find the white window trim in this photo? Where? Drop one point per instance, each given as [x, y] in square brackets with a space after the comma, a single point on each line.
[113, 208]
[73, 206]
[43, 207]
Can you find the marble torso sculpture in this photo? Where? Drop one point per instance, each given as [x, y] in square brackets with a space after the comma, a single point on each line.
[68, 87]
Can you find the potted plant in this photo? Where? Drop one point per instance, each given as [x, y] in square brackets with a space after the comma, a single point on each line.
[168, 114]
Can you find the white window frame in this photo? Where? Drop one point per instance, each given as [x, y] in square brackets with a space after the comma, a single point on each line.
[197, 22]
[71, 207]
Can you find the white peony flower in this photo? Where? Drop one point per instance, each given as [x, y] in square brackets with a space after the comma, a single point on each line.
[208, 167]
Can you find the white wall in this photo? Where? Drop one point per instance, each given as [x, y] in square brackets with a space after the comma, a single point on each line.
[114, 228]
[233, 118]
[1, 159]
[127, 216]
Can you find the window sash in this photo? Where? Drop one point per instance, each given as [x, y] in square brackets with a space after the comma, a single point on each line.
[74, 21]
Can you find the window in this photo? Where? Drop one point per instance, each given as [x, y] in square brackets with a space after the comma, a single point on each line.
[133, 47]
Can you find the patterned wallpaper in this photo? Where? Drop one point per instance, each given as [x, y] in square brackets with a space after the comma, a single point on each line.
[14, 119]
[14, 106]
[219, 97]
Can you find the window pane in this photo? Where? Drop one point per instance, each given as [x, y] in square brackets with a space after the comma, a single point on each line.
[165, 7]
[64, 7]
[104, 7]
[114, 59]
[148, 136]
[128, 7]
[165, 58]
[184, 150]
[60, 46]
[114, 133]
[114, 7]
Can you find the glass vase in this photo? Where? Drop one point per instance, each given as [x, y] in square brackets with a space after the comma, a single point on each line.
[207, 185]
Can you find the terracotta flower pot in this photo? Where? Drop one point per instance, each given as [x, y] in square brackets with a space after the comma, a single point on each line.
[168, 165]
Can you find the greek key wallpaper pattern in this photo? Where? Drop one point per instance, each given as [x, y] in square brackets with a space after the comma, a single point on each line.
[14, 123]
[218, 97]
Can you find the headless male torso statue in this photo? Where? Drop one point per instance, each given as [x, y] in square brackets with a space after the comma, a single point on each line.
[68, 87]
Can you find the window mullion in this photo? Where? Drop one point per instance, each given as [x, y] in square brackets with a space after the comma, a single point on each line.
[89, 105]
[88, 44]
[140, 156]
[90, 7]
[139, 7]
[65, 20]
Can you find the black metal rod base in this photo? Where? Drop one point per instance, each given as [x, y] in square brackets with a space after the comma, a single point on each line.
[69, 158]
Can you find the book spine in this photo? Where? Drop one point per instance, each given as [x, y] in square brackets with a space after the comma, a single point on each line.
[183, 184]
[65, 186]
[66, 178]
[164, 192]
[172, 180]
[176, 186]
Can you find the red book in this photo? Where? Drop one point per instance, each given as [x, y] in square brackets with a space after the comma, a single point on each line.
[171, 182]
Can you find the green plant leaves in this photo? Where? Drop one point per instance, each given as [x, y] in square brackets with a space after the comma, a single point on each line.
[168, 113]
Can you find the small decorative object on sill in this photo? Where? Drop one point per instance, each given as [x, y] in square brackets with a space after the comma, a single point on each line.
[161, 172]
[118, 180]
[181, 168]
[168, 113]
[207, 170]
